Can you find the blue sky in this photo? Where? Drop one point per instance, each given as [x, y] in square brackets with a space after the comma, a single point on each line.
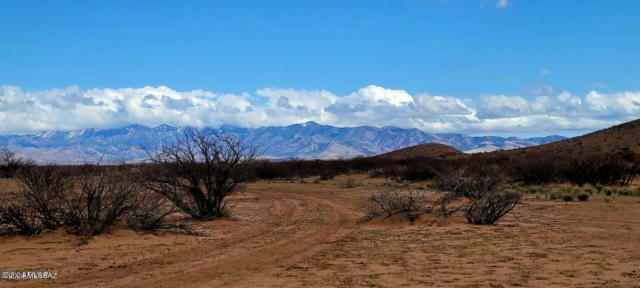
[473, 52]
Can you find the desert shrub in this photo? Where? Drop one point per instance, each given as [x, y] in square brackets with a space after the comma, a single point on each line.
[599, 187]
[628, 191]
[466, 183]
[42, 189]
[486, 204]
[604, 168]
[445, 205]
[199, 171]
[86, 200]
[583, 196]
[608, 191]
[100, 201]
[408, 202]
[567, 197]
[490, 207]
[327, 174]
[599, 168]
[17, 217]
[416, 170]
[37, 205]
[10, 163]
[152, 212]
[534, 169]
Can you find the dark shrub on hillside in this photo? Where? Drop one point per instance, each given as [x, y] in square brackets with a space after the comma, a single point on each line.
[618, 168]
[602, 168]
[535, 169]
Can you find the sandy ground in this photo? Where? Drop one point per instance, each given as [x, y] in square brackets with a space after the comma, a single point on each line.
[291, 234]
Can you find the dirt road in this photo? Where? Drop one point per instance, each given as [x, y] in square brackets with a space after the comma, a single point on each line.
[271, 230]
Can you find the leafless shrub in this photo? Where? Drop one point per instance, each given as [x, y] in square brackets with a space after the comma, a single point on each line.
[408, 202]
[16, 217]
[87, 203]
[41, 190]
[466, 183]
[490, 207]
[9, 162]
[37, 205]
[152, 213]
[199, 171]
[100, 202]
[486, 204]
[445, 205]
[412, 203]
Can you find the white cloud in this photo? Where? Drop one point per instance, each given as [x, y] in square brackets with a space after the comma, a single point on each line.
[503, 3]
[503, 106]
[542, 113]
[545, 71]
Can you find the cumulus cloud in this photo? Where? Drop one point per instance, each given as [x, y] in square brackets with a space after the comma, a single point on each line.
[542, 112]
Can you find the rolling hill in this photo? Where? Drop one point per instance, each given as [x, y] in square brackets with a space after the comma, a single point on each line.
[623, 137]
[422, 150]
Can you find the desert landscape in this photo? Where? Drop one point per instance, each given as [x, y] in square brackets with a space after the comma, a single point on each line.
[358, 143]
[292, 234]
[328, 231]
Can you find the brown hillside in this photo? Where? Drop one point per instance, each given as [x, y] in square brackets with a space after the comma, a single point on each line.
[623, 137]
[422, 150]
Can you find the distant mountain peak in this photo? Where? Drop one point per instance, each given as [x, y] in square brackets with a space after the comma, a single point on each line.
[304, 140]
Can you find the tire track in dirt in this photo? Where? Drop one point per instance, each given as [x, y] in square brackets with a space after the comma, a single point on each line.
[296, 227]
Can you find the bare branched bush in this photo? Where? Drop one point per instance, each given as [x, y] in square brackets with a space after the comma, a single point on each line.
[102, 200]
[199, 171]
[466, 183]
[10, 163]
[408, 202]
[153, 212]
[445, 205]
[412, 203]
[486, 204]
[490, 207]
[37, 205]
[86, 200]
[16, 217]
[42, 189]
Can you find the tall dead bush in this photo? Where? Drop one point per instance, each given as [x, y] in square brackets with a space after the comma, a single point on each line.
[199, 171]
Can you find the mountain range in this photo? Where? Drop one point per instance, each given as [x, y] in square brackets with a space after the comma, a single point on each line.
[305, 141]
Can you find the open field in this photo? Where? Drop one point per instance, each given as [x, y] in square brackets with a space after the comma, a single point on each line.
[301, 233]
